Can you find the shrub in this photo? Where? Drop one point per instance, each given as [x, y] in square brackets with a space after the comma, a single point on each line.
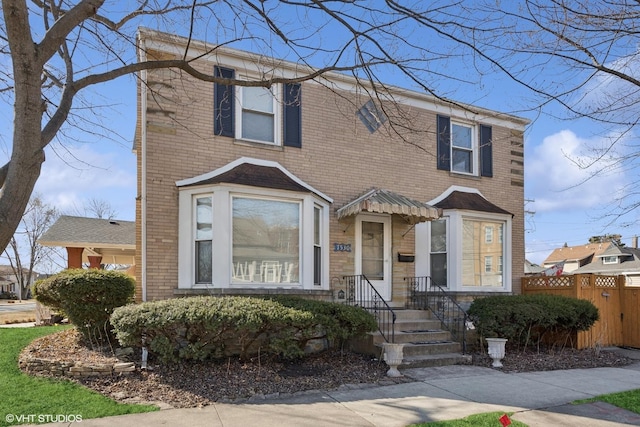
[339, 321]
[199, 328]
[530, 319]
[8, 295]
[87, 297]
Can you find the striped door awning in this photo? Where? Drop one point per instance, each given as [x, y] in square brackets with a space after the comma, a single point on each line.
[384, 201]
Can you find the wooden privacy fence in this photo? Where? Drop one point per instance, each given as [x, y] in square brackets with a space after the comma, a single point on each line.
[618, 305]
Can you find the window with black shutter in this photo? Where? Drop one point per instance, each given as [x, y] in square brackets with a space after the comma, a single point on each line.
[258, 114]
[464, 148]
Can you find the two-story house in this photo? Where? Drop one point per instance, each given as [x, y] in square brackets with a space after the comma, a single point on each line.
[289, 189]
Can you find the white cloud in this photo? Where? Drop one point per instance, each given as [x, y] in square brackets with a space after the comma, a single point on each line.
[73, 176]
[557, 179]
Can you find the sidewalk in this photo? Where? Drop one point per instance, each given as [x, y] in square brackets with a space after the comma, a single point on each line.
[442, 393]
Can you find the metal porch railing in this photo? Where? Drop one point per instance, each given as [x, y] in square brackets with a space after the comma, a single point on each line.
[425, 294]
[361, 293]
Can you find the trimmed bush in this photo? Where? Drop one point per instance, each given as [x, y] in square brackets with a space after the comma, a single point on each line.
[86, 297]
[339, 321]
[530, 319]
[199, 328]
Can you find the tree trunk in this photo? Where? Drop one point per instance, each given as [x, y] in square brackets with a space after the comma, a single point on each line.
[27, 151]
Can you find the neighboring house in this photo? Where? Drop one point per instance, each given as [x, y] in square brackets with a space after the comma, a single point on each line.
[93, 241]
[531, 268]
[575, 257]
[290, 189]
[9, 281]
[615, 260]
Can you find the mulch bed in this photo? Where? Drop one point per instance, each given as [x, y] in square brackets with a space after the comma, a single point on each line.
[183, 385]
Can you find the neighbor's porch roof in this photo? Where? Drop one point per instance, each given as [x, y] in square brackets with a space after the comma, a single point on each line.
[113, 240]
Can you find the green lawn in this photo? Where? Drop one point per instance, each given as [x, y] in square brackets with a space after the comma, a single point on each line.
[489, 419]
[24, 396]
[629, 400]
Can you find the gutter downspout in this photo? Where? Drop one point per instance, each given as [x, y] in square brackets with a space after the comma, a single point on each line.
[143, 166]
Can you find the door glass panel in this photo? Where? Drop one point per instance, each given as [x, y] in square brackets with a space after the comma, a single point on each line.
[373, 250]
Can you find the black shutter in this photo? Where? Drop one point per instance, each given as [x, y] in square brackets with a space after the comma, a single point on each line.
[292, 115]
[486, 151]
[444, 143]
[224, 103]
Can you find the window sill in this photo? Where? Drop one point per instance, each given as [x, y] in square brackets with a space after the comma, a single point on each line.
[252, 292]
[465, 175]
[256, 144]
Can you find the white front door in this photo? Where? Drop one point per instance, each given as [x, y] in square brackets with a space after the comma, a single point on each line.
[373, 251]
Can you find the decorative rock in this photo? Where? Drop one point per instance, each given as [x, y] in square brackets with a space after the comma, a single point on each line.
[124, 367]
[124, 353]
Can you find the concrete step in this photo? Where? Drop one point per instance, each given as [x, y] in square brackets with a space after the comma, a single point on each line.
[413, 325]
[416, 335]
[426, 343]
[412, 315]
[423, 348]
[431, 360]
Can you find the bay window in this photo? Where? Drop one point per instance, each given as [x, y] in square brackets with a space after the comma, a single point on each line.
[252, 237]
[459, 252]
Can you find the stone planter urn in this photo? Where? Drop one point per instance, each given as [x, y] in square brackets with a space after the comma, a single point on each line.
[393, 357]
[496, 350]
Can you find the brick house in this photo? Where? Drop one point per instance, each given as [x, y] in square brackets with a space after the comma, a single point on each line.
[290, 189]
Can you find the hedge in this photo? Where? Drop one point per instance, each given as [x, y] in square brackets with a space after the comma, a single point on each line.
[340, 321]
[86, 297]
[531, 319]
[207, 327]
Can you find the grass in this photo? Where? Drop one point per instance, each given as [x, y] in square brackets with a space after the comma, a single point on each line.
[488, 419]
[23, 395]
[629, 400]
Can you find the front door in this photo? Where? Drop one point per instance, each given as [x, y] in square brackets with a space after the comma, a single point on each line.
[373, 251]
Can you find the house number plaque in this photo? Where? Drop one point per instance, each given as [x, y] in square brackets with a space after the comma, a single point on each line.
[342, 247]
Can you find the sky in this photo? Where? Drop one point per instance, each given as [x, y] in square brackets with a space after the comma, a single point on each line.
[563, 208]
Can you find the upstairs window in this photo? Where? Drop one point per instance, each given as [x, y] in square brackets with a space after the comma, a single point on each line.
[259, 115]
[267, 115]
[464, 148]
[609, 259]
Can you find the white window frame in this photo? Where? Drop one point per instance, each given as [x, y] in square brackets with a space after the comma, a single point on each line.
[455, 233]
[276, 91]
[608, 259]
[222, 212]
[474, 150]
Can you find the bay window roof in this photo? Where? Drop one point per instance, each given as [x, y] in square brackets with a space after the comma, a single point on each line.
[471, 201]
[254, 173]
